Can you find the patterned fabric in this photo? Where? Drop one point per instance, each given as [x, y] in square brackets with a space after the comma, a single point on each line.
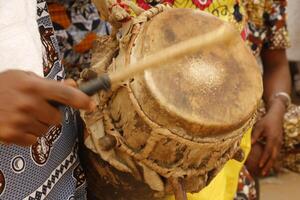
[228, 10]
[246, 186]
[267, 24]
[76, 24]
[51, 61]
[50, 168]
[262, 22]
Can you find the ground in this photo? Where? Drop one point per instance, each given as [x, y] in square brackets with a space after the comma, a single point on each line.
[285, 186]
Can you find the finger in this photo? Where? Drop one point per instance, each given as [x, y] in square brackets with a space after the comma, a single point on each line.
[266, 153]
[70, 82]
[36, 107]
[36, 128]
[27, 123]
[13, 136]
[46, 113]
[256, 133]
[26, 140]
[67, 95]
[270, 162]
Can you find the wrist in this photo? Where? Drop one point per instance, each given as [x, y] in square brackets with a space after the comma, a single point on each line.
[279, 98]
[276, 107]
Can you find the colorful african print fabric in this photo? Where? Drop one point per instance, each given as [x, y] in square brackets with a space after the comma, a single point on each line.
[229, 10]
[76, 24]
[267, 24]
[262, 22]
[246, 186]
[50, 168]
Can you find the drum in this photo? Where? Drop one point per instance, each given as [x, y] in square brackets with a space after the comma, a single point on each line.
[171, 128]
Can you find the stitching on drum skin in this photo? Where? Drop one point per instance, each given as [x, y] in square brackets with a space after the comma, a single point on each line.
[167, 172]
[173, 170]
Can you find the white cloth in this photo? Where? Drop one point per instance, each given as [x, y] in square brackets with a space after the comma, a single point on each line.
[20, 43]
[293, 11]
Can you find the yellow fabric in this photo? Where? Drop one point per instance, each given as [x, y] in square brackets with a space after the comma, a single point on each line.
[224, 185]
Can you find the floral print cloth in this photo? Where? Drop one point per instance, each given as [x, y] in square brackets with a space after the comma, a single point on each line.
[76, 24]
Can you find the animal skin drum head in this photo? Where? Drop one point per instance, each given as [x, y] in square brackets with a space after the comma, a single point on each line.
[207, 92]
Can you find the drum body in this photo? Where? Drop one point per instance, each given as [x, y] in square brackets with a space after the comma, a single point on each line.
[182, 121]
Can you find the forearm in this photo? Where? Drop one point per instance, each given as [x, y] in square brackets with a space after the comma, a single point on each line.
[276, 75]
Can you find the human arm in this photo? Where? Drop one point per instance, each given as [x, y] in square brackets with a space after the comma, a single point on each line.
[272, 37]
[276, 78]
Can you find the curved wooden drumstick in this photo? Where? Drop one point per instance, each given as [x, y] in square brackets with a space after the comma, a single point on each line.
[167, 55]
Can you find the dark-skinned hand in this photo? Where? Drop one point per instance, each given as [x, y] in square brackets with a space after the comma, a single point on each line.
[268, 130]
[25, 112]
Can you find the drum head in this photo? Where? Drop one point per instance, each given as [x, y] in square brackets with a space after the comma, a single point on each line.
[206, 94]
